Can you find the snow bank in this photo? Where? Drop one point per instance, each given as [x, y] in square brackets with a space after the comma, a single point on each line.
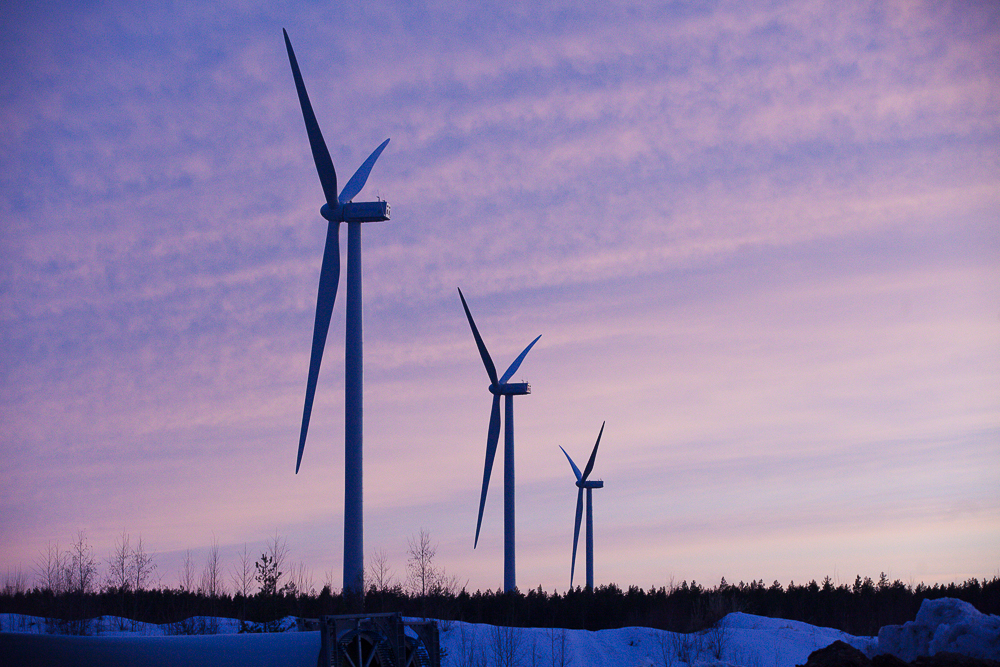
[777, 641]
[741, 639]
[943, 625]
[249, 650]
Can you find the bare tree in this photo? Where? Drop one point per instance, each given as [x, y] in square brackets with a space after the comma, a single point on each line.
[557, 647]
[277, 551]
[141, 573]
[471, 653]
[80, 579]
[242, 576]
[118, 577]
[449, 585]
[186, 625]
[82, 574]
[242, 573]
[380, 577]
[185, 575]
[328, 580]
[302, 580]
[213, 588]
[14, 582]
[143, 566]
[379, 573]
[505, 644]
[299, 581]
[211, 577]
[50, 569]
[422, 576]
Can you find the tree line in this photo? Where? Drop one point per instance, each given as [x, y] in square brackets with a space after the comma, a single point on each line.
[262, 590]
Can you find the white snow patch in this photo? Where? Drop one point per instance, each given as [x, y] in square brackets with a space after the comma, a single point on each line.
[740, 640]
[943, 625]
[246, 650]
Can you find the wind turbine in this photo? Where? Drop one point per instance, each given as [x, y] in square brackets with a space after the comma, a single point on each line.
[337, 209]
[500, 387]
[583, 483]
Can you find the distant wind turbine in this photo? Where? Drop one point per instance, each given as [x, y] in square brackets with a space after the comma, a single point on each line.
[337, 209]
[500, 387]
[583, 483]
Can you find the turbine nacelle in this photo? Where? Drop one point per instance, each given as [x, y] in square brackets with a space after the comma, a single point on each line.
[370, 211]
[588, 484]
[510, 389]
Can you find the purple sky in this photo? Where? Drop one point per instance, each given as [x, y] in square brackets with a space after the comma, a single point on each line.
[760, 240]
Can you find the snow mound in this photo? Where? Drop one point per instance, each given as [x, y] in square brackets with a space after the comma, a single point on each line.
[943, 625]
[294, 649]
[739, 640]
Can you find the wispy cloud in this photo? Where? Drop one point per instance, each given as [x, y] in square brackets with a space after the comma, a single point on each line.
[759, 241]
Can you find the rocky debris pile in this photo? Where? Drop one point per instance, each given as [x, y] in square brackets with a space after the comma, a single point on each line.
[946, 632]
[840, 654]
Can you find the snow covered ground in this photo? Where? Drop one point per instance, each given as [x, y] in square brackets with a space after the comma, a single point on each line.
[742, 639]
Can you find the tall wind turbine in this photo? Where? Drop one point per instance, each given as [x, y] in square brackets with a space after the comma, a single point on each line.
[500, 387]
[583, 483]
[337, 209]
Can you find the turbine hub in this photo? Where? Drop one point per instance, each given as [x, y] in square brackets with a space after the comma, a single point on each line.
[333, 214]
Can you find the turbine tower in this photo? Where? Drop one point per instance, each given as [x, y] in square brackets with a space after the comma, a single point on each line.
[337, 209]
[583, 483]
[500, 387]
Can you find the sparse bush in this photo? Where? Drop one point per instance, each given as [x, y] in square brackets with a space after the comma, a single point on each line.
[717, 638]
[668, 651]
[470, 653]
[505, 645]
[14, 582]
[558, 647]
[686, 645]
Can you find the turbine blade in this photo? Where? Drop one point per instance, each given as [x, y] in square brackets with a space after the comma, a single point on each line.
[576, 533]
[360, 177]
[491, 451]
[576, 471]
[517, 362]
[329, 278]
[321, 155]
[491, 370]
[593, 455]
